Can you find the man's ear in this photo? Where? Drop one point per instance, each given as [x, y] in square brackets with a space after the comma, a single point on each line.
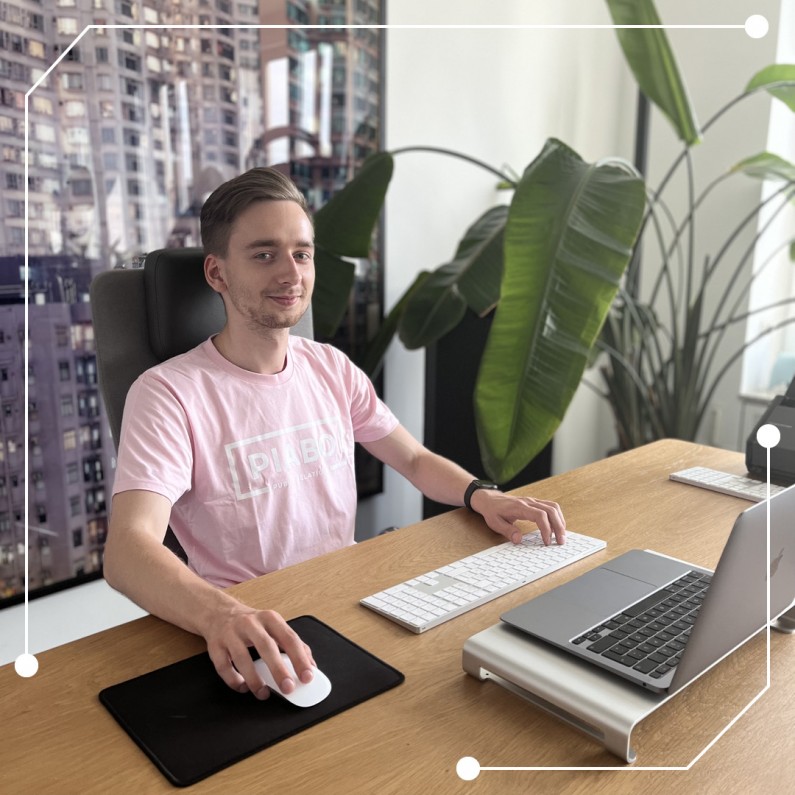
[213, 272]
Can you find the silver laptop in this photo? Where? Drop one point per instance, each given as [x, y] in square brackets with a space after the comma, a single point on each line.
[660, 622]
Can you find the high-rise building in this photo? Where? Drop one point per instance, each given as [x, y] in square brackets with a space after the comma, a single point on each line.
[153, 104]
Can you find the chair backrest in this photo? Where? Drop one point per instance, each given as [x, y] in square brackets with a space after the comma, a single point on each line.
[146, 315]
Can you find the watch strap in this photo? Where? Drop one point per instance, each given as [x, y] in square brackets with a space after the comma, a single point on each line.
[474, 486]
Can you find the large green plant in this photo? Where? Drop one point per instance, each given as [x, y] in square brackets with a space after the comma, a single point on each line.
[550, 262]
[549, 265]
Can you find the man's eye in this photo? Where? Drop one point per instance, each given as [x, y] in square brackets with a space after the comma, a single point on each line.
[263, 255]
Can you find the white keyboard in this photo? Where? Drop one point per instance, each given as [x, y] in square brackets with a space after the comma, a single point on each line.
[735, 485]
[433, 598]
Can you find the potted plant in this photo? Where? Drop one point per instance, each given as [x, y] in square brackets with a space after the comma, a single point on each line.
[549, 266]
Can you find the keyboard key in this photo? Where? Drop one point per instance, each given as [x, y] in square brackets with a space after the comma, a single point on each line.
[601, 645]
[645, 604]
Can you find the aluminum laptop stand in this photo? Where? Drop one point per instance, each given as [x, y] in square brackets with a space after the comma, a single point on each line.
[596, 702]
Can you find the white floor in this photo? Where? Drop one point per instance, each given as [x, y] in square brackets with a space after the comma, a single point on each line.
[63, 617]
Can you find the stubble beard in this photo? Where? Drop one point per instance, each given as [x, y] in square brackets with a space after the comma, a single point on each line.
[259, 319]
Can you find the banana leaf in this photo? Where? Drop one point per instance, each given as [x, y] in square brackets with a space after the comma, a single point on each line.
[568, 240]
[333, 284]
[344, 228]
[373, 358]
[344, 224]
[652, 61]
[471, 280]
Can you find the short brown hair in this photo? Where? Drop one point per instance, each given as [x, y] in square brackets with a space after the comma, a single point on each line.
[232, 198]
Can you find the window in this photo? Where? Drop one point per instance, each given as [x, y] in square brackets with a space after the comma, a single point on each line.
[44, 133]
[64, 371]
[70, 439]
[769, 365]
[72, 473]
[74, 108]
[72, 81]
[42, 105]
[81, 187]
[66, 26]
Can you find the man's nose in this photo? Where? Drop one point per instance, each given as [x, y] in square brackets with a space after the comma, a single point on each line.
[289, 272]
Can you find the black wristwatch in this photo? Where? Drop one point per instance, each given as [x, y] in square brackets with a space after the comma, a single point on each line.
[474, 486]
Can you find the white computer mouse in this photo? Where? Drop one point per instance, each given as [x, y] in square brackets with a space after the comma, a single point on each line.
[304, 695]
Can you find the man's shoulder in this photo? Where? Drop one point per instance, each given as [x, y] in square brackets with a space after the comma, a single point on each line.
[183, 364]
[313, 350]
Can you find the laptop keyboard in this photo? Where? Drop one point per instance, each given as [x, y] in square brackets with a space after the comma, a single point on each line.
[650, 636]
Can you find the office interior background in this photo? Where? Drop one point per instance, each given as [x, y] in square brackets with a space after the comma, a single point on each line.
[493, 93]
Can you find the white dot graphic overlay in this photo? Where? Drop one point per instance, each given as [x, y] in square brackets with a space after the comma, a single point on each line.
[757, 26]
[768, 436]
[26, 665]
[468, 768]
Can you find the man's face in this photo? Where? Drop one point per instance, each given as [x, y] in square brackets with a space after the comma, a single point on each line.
[268, 273]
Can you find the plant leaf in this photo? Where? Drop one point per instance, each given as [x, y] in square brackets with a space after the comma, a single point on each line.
[344, 228]
[568, 240]
[344, 224]
[651, 59]
[377, 347]
[333, 284]
[766, 165]
[480, 255]
[434, 309]
[471, 280]
[776, 73]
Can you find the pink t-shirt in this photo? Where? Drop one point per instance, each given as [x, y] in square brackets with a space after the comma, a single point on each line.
[258, 468]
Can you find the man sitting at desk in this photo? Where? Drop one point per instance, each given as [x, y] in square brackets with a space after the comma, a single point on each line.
[245, 445]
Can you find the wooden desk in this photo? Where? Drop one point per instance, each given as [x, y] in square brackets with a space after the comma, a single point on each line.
[59, 739]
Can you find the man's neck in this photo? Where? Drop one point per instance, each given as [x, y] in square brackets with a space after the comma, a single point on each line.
[265, 355]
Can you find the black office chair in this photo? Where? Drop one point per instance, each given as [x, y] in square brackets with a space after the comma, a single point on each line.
[143, 316]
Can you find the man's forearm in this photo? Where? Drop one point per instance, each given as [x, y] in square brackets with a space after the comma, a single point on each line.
[155, 579]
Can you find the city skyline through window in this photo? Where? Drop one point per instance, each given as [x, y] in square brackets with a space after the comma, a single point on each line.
[126, 137]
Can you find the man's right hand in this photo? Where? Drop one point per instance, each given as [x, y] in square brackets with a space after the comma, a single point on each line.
[232, 632]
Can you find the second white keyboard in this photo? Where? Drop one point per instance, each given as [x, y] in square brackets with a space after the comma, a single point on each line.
[723, 482]
[433, 598]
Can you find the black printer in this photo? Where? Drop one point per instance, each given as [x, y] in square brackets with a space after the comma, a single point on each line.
[781, 413]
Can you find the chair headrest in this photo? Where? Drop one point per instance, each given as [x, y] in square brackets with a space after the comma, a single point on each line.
[182, 309]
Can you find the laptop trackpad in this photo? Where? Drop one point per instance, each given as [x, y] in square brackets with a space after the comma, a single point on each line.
[571, 608]
[603, 591]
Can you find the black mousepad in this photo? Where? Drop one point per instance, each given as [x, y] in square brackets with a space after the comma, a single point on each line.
[191, 724]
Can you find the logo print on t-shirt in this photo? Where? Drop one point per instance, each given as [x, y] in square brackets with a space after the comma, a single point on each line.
[260, 464]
